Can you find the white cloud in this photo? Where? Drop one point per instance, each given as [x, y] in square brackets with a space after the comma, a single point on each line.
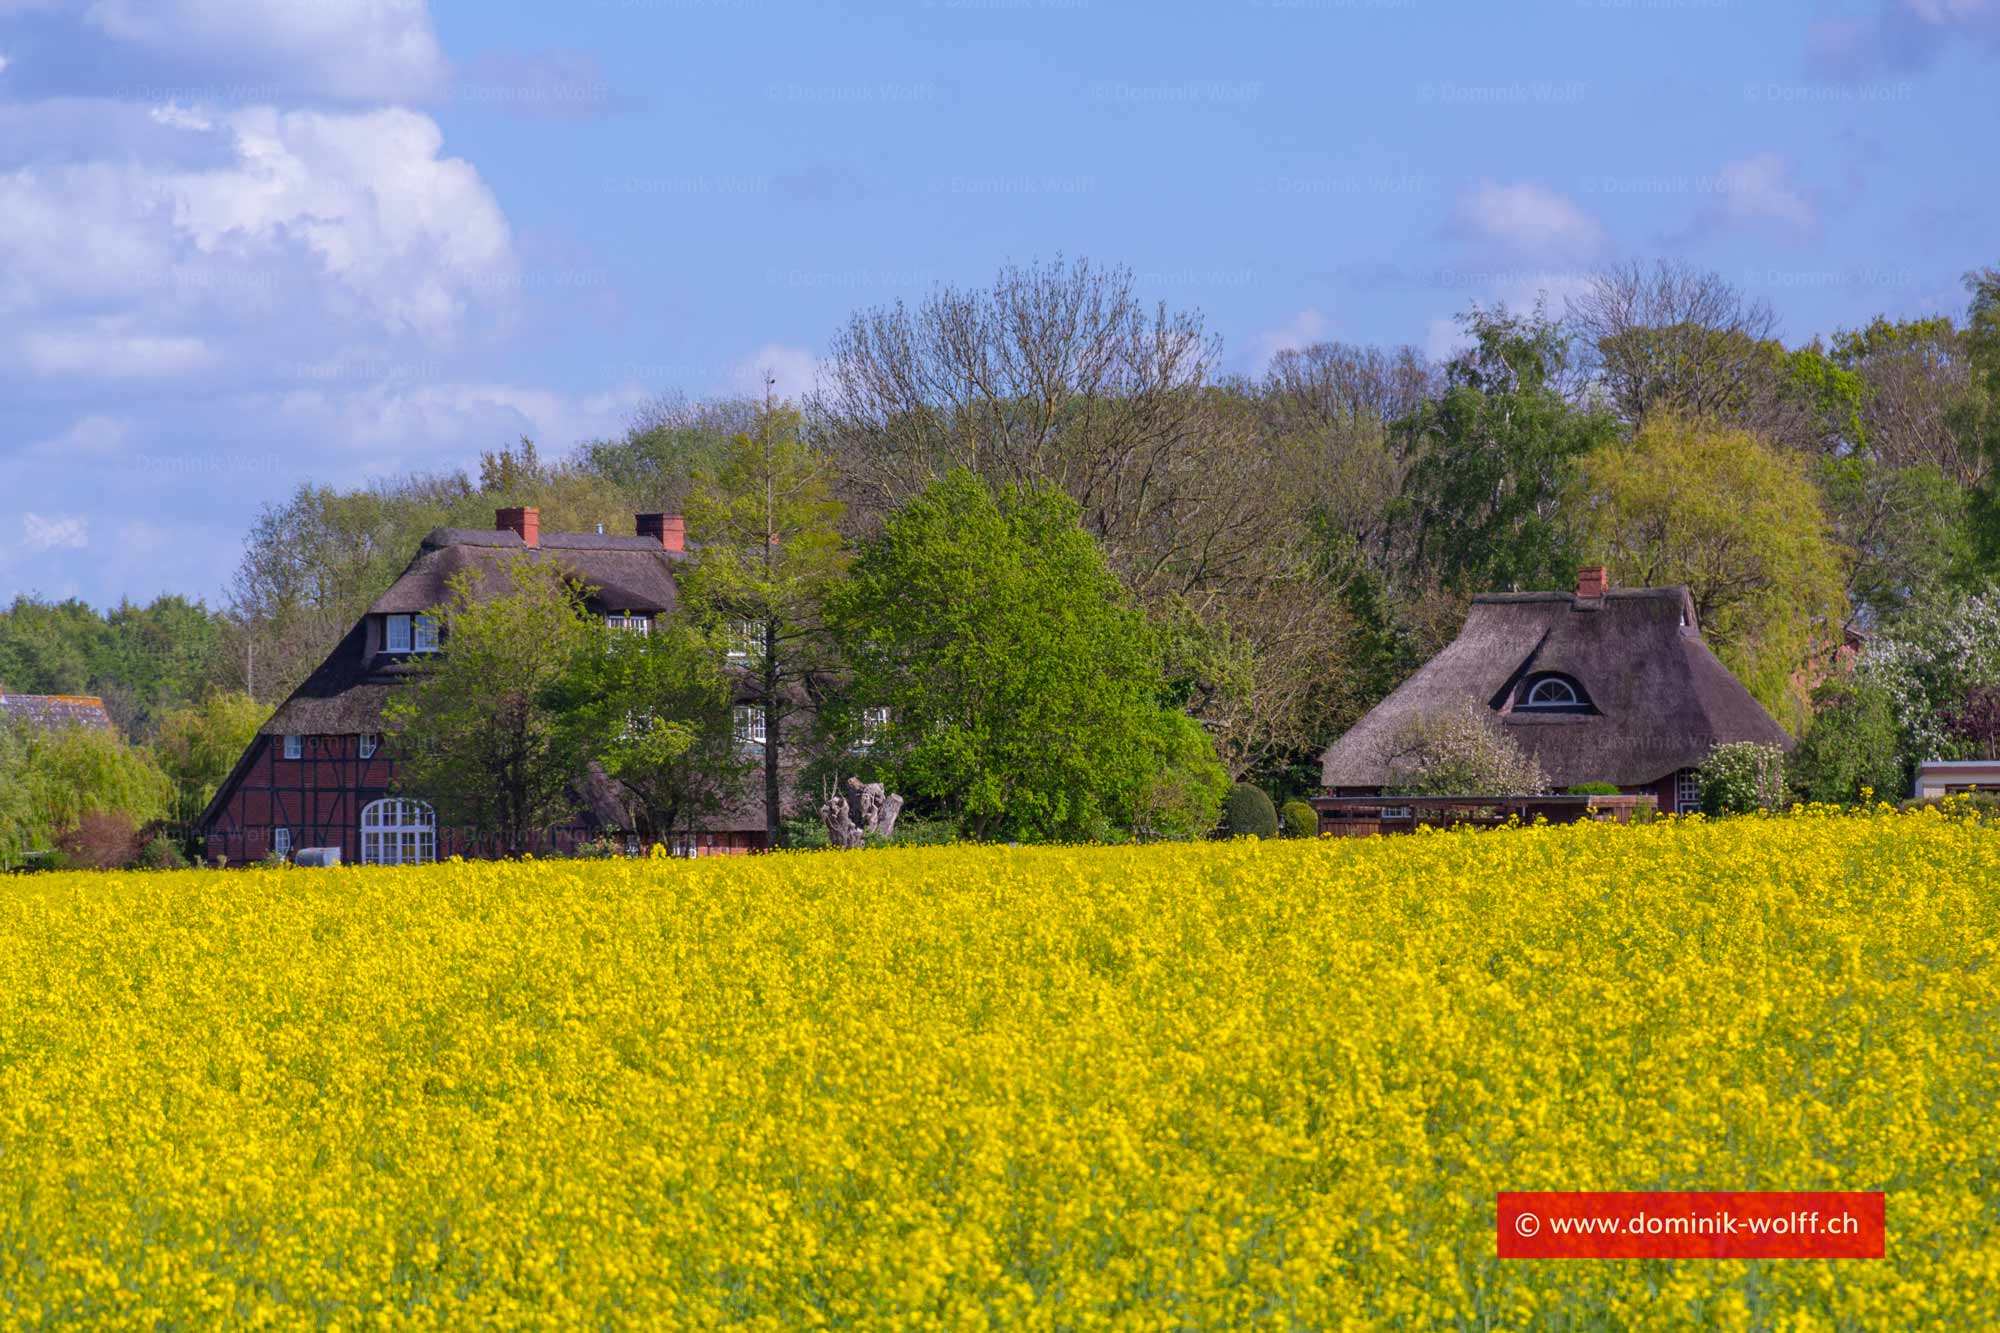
[3, 62]
[1761, 189]
[1529, 221]
[401, 425]
[109, 354]
[55, 532]
[358, 213]
[356, 50]
[794, 370]
[1304, 329]
[94, 437]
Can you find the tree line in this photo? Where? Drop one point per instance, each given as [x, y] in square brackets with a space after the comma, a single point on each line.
[1292, 544]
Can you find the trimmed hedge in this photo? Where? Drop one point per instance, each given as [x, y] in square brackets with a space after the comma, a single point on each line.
[1250, 812]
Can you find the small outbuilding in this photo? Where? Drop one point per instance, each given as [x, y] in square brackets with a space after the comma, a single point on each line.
[1955, 777]
[1601, 684]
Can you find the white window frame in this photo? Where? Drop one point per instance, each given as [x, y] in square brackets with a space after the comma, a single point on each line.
[295, 747]
[1687, 792]
[396, 831]
[1533, 699]
[395, 634]
[874, 721]
[747, 724]
[367, 745]
[424, 634]
[685, 845]
[642, 625]
[746, 640]
[281, 841]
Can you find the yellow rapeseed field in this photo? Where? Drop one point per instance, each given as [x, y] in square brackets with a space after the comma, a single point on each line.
[1248, 1085]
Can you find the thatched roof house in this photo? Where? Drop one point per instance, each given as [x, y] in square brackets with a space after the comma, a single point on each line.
[320, 774]
[1600, 685]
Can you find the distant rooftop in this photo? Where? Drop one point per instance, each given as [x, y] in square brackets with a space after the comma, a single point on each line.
[49, 711]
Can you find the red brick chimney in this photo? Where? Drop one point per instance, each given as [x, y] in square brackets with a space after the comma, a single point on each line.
[669, 530]
[1592, 580]
[527, 523]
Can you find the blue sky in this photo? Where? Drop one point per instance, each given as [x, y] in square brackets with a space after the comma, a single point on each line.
[245, 245]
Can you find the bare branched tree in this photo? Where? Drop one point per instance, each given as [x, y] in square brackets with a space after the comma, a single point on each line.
[1056, 375]
[1680, 339]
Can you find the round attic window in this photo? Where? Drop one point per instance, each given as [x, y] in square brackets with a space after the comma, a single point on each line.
[1551, 692]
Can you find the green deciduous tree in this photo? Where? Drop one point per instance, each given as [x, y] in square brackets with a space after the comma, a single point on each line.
[1023, 688]
[653, 710]
[476, 734]
[1851, 746]
[1741, 525]
[766, 528]
[70, 772]
[199, 743]
[1496, 455]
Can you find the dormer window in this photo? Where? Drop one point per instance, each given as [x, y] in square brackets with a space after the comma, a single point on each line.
[409, 634]
[629, 624]
[1551, 693]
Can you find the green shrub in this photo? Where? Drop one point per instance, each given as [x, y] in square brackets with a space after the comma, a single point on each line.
[161, 854]
[1851, 745]
[912, 832]
[1249, 812]
[1301, 820]
[1594, 789]
[1741, 777]
[805, 833]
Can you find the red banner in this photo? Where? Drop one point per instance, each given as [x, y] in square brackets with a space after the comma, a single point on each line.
[1707, 1224]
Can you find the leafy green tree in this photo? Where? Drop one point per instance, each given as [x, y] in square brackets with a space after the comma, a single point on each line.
[1976, 418]
[70, 772]
[197, 745]
[1851, 747]
[49, 647]
[1023, 688]
[1904, 529]
[17, 811]
[766, 529]
[477, 732]
[1183, 796]
[1741, 525]
[1496, 455]
[653, 710]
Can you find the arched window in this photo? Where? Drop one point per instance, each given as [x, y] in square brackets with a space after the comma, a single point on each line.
[1553, 692]
[396, 832]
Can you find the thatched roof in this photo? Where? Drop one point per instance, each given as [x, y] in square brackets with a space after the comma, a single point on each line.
[1659, 700]
[627, 573]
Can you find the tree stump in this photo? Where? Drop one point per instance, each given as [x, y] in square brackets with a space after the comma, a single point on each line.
[856, 812]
